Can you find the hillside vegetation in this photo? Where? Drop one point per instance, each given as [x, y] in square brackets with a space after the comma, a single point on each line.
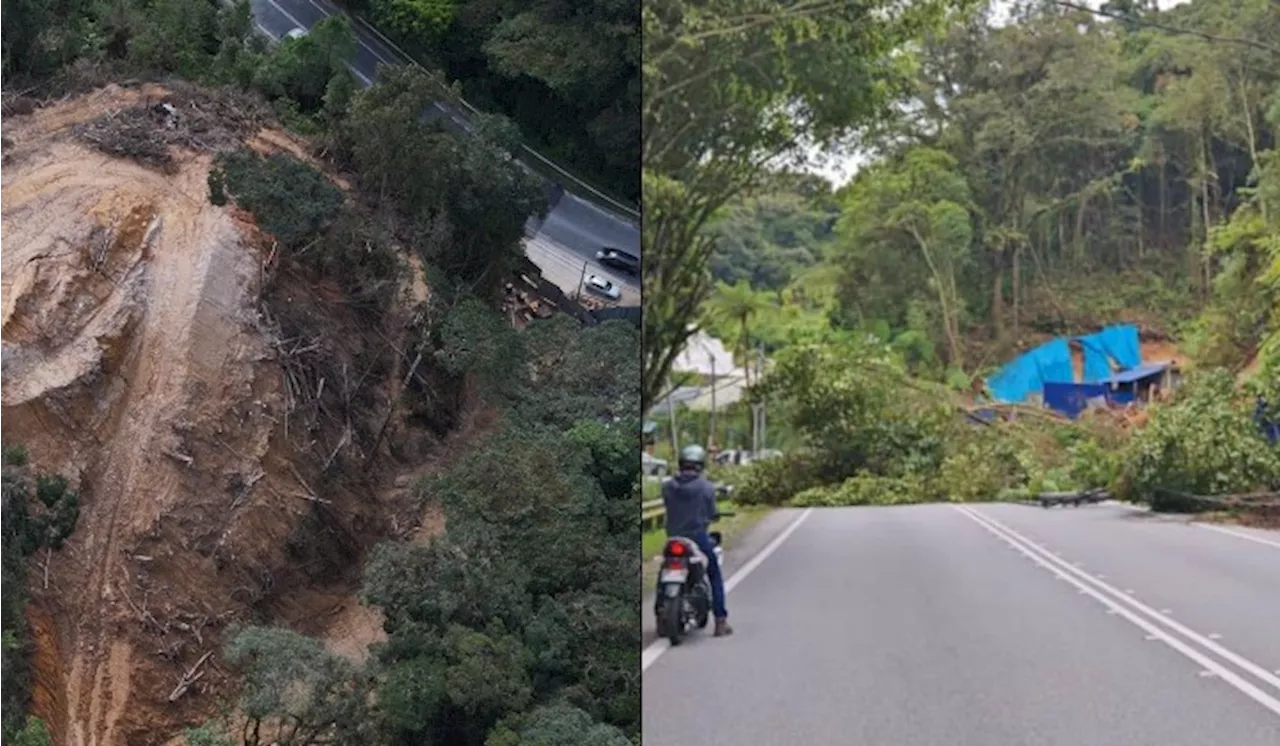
[1046, 177]
[567, 72]
[317, 480]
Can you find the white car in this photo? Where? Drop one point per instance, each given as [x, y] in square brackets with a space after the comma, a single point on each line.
[604, 287]
[652, 466]
[297, 33]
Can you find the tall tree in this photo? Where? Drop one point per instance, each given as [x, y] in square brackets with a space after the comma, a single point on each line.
[917, 207]
[738, 304]
[732, 88]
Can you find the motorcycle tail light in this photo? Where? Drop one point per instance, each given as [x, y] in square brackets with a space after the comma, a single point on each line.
[676, 549]
[674, 564]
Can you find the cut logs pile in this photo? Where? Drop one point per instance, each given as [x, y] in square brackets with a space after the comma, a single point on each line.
[521, 303]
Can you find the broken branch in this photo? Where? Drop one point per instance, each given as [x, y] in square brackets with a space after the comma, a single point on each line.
[190, 677]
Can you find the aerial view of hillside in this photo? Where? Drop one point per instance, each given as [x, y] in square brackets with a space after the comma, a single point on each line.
[288, 424]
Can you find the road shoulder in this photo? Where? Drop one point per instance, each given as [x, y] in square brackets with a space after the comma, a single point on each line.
[739, 550]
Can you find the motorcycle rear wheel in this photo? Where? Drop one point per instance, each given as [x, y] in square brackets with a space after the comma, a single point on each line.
[702, 607]
[673, 620]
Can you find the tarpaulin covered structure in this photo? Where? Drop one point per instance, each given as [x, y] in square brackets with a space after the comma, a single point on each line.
[1113, 370]
[1073, 398]
[1029, 372]
[1118, 343]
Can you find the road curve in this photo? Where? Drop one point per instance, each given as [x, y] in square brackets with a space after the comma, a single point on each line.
[575, 225]
[986, 625]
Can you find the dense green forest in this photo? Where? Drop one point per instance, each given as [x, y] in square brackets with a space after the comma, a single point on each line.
[496, 633]
[39, 512]
[1049, 175]
[1077, 171]
[568, 73]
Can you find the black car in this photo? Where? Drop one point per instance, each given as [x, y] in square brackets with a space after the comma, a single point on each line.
[619, 259]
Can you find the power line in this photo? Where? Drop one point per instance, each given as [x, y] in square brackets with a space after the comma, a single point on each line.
[1165, 27]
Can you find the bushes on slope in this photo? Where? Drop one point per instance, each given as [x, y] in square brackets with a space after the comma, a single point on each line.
[1205, 442]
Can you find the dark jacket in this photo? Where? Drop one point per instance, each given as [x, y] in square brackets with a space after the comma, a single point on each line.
[690, 501]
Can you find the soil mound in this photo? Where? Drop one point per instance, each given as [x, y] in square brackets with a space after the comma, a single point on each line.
[136, 361]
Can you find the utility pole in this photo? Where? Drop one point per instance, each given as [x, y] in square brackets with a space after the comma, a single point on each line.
[711, 437]
[763, 409]
[671, 414]
[582, 280]
[757, 409]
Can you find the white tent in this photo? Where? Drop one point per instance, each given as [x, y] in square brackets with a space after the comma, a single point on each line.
[728, 390]
[707, 356]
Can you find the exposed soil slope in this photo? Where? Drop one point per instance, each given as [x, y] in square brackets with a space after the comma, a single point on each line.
[134, 362]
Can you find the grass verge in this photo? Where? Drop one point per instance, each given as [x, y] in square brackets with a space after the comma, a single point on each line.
[745, 517]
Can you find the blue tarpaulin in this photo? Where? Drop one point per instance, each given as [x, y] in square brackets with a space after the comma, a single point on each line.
[1136, 374]
[1072, 398]
[1121, 342]
[1027, 375]
[1268, 421]
[1097, 364]
[1115, 343]
[1051, 363]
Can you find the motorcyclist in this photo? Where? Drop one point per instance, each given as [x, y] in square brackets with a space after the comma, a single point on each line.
[690, 502]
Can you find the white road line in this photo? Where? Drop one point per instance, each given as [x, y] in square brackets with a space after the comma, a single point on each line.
[655, 650]
[359, 74]
[1078, 578]
[352, 22]
[606, 213]
[1239, 535]
[287, 14]
[373, 50]
[266, 31]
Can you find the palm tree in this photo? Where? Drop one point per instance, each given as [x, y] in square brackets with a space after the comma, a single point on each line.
[738, 304]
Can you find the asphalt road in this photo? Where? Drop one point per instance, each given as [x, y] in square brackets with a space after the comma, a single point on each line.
[985, 625]
[575, 227]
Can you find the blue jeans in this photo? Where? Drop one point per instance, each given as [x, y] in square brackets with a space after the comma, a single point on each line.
[703, 540]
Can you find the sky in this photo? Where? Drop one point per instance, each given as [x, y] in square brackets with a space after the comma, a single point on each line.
[839, 169]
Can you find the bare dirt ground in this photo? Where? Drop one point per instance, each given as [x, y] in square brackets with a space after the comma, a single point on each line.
[127, 327]
[134, 362]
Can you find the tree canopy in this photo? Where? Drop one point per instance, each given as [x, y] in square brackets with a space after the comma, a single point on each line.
[517, 624]
[568, 73]
[1059, 172]
[732, 89]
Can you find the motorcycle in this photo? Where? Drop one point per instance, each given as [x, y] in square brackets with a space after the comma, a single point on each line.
[683, 600]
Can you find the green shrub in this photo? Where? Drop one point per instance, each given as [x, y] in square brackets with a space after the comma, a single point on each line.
[360, 256]
[33, 733]
[979, 466]
[866, 489]
[35, 516]
[555, 725]
[288, 198]
[776, 481]
[413, 19]
[1093, 465]
[1205, 442]
[303, 71]
[15, 456]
